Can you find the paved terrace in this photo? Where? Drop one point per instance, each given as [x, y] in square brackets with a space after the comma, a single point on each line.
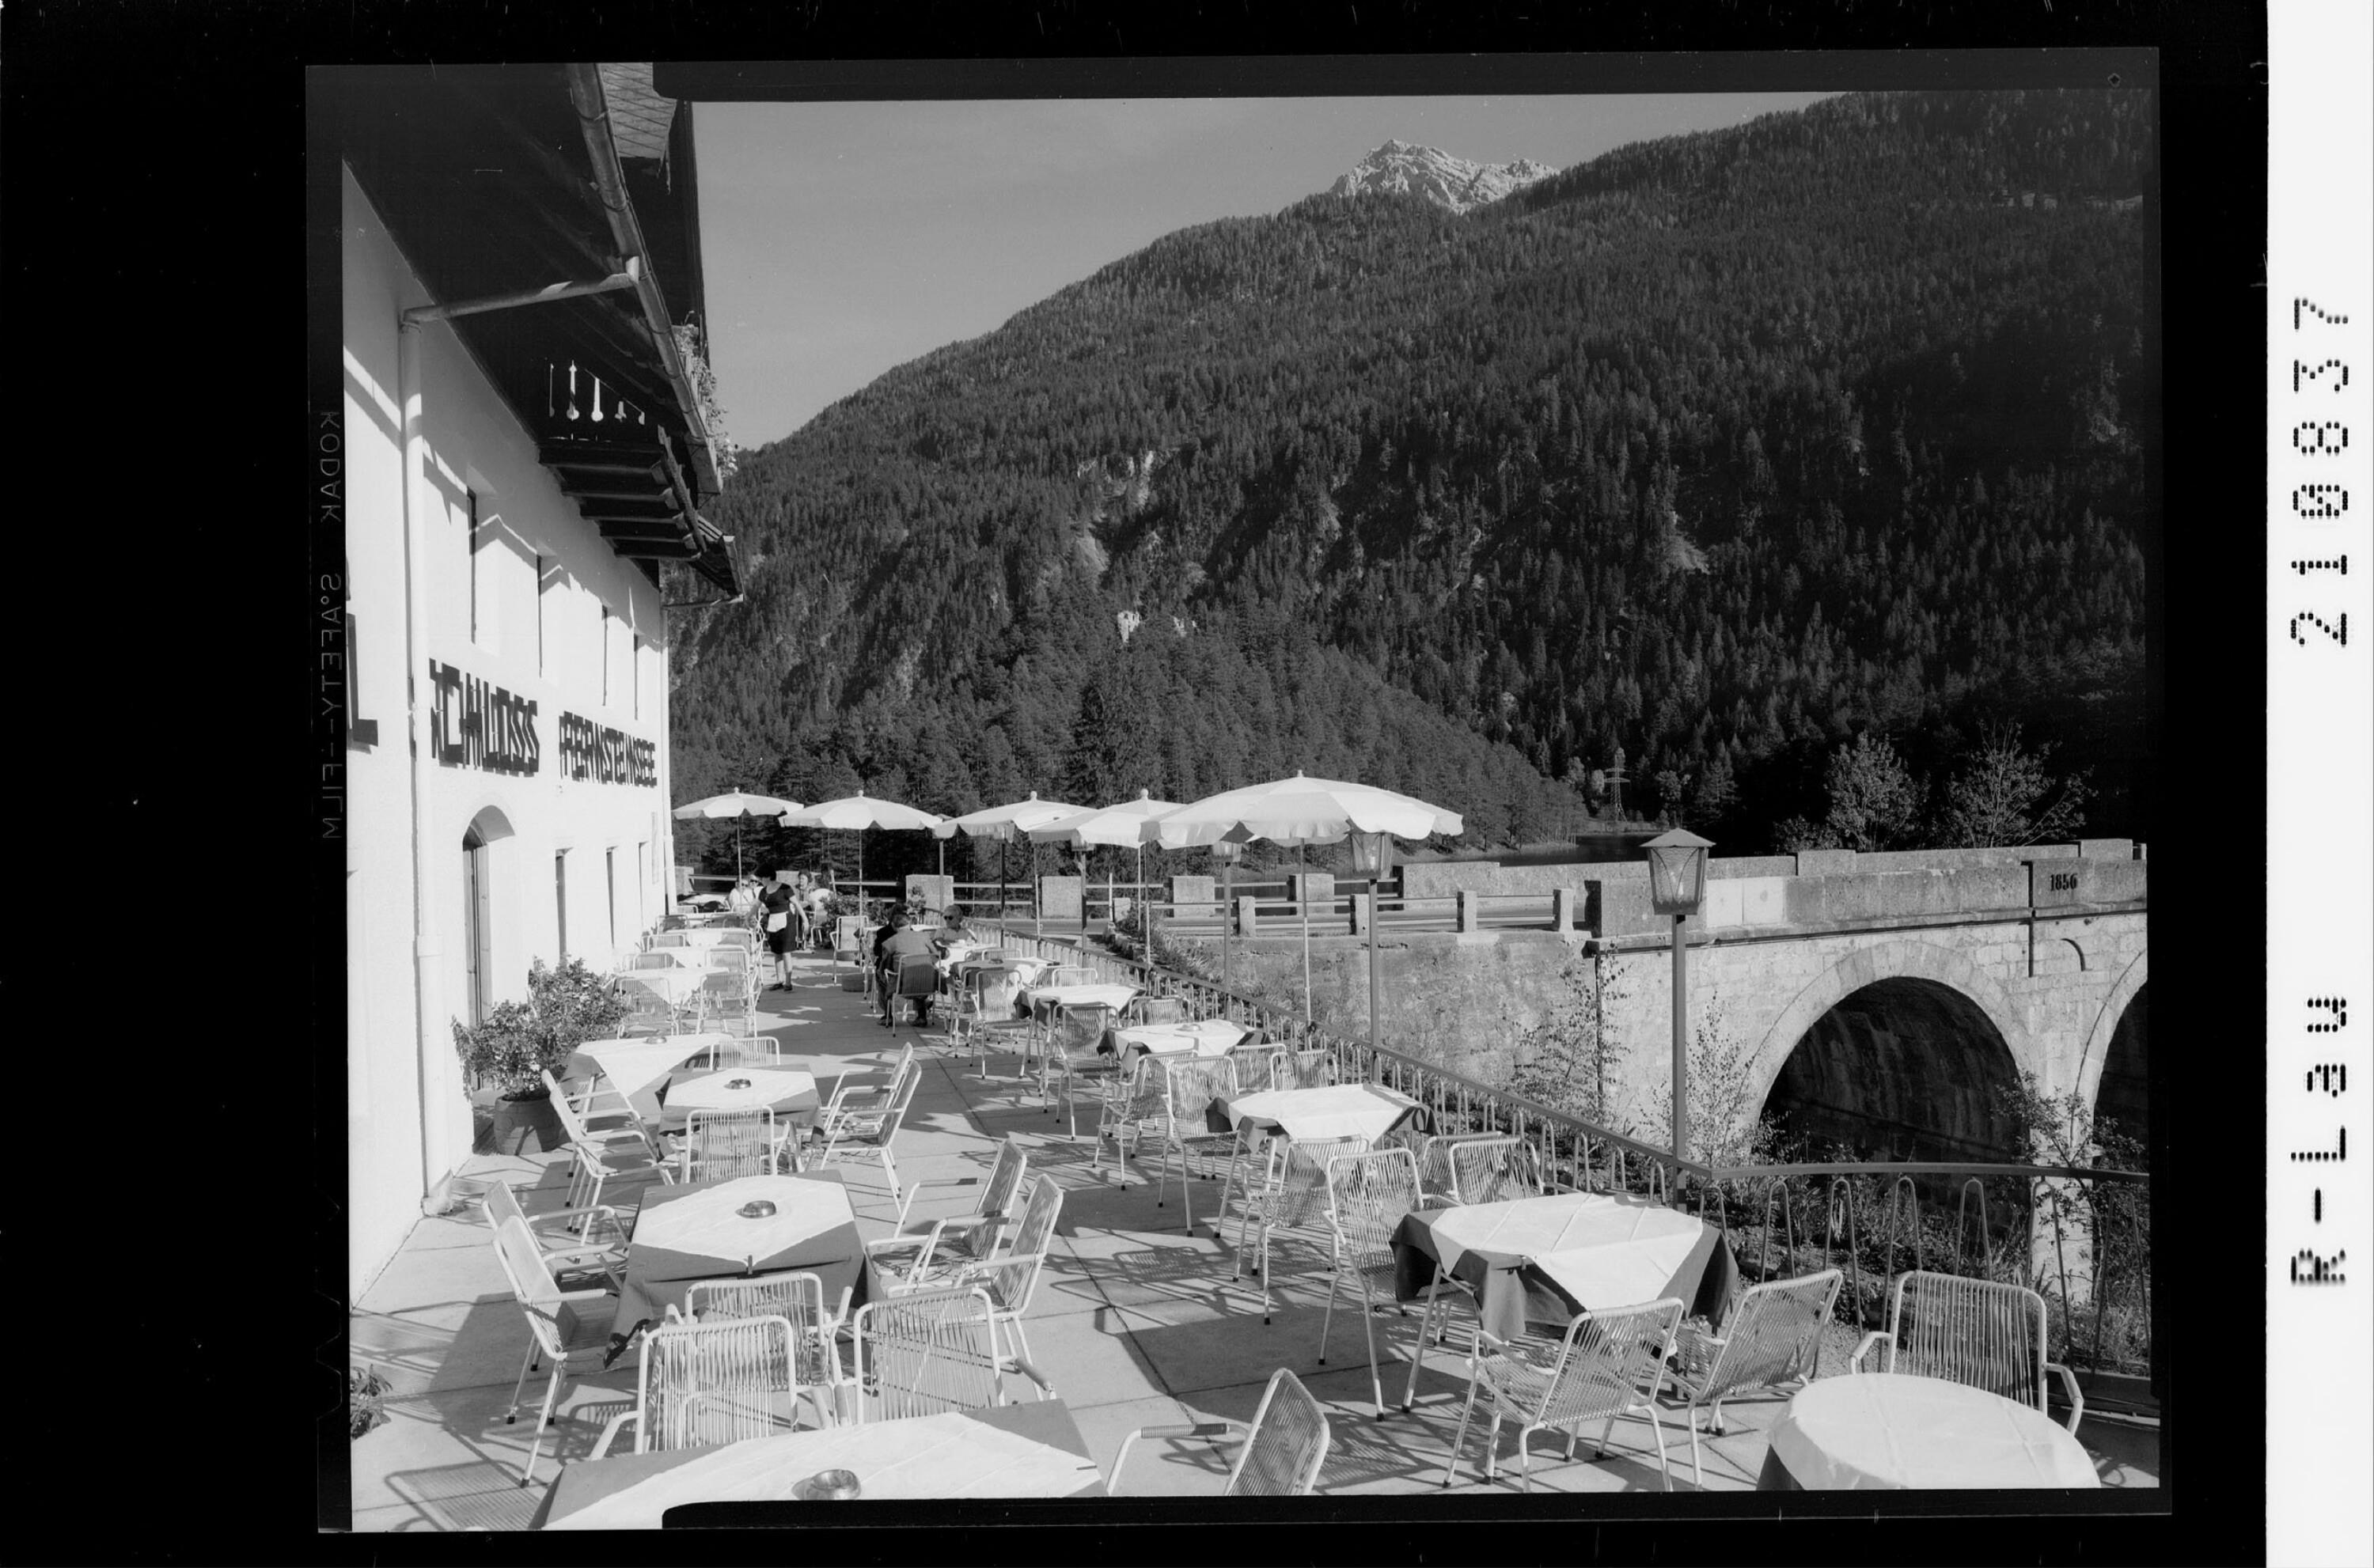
[1136, 1323]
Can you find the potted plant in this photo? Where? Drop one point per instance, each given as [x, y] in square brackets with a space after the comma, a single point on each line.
[519, 1041]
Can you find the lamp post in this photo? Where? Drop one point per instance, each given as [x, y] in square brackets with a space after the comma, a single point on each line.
[1227, 853]
[1372, 857]
[1676, 885]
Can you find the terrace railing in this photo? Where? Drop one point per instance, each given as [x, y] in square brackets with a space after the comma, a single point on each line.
[2078, 1234]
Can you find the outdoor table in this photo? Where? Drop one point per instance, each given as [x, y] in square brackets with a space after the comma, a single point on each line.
[791, 1094]
[1878, 1430]
[676, 984]
[1212, 1037]
[691, 1230]
[1334, 1110]
[1543, 1260]
[634, 1067]
[1045, 999]
[1033, 1450]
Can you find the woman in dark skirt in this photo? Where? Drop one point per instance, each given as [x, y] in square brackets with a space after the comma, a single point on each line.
[780, 925]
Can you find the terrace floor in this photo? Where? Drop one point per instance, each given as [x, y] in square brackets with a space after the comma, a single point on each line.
[1137, 1323]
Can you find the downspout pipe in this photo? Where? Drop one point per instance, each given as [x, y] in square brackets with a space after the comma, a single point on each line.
[427, 948]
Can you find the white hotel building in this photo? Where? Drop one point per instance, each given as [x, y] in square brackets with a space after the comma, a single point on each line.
[524, 479]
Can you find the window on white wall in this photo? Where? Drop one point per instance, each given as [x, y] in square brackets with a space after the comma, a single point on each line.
[547, 581]
[480, 592]
[635, 672]
[610, 883]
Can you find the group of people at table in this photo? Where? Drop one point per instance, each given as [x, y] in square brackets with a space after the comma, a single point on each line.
[1585, 1304]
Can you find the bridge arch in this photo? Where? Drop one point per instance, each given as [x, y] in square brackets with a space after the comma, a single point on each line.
[2117, 1032]
[1906, 986]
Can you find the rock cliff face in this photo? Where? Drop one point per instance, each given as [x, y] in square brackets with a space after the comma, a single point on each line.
[1445, 180]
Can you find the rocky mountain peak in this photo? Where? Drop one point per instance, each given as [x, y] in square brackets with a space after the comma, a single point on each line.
[1405, 168]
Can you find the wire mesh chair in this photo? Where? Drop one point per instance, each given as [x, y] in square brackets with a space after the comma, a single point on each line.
[1157, 1010]
[573, 1241]
[1011, 1277]
[1987, 1335]
[1189, 1086]
[1292, 1196]
[1261, 1066]
[916, 1248]
[572, 1331]
[1284, 1448]
[927, 1352]
[914, 979]
[984, 1012]
[638, 962]
[1069, 974]
[632, 1137]
[867, 1138]
[1071, 1059]
[1594, 1372]
[728, 1145]
[1772, 1341]
[650, 1011]
[849, 1099]
[1493, 1170]
[1368, 1194]
[706, 1384]
[799, 1300]
[725, 998]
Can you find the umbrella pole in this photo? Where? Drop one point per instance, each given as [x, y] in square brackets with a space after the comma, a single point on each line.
[1303, 905]
[1228, 918]
[1376, 908]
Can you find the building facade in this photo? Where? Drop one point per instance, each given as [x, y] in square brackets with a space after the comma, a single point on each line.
[526, 454]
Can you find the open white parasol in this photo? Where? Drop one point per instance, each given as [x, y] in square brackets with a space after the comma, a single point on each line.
[1302, 811]
[1006, 823]
[736, 804]
[1119, 826]
[860, 811]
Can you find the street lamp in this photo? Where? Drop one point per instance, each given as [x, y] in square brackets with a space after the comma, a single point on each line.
[1227, 853]
[1677, 863]
[1372, 857]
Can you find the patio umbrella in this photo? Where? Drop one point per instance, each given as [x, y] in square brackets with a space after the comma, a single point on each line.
[737, 804]
[860, 811]
[1120, 826]
[1302, 811]
[1006, 823]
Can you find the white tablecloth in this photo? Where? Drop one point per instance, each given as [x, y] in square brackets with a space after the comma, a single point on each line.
[1891, 1430]
[1041, 998]
[1335, 1110]
[633, 1067]
[1604, 1249]
[1213, 1036]
[705, 1223]
[767, 1086]
[950, 1455]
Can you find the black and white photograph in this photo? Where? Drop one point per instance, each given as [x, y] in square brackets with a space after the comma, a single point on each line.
[1321, 794]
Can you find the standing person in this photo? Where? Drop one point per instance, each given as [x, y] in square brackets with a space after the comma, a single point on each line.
[777, 901]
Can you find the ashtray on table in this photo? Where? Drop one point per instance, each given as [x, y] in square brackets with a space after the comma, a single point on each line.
[827, 1485]
[737, 1084]
[757, 1209]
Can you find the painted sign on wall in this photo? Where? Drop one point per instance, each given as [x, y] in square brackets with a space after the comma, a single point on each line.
[605, 755]
[474, 723]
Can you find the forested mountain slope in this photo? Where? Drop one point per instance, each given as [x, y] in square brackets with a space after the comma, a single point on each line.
[1719, 448]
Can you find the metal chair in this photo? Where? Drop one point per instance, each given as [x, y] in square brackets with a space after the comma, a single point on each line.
[727, 1145]
[703, 1385]
[1368, 1194]
[1011, 1276]
[636, 962]
[983, 1011]
[1493, 1170]
[915, 1248]
[849, 939]
[849, 1099]
[573, 1241]
[1772, 1340]
[1069, 974]
[632, 1134]
[1293, 1196]
[1177, 1094]
[1987, 1335]
[798, 1299]
[916, 980]
[650, 1011]
[866, 1136]
[1070, 1057]
[1596, 1370]
[927, 1352]
[1284, 1448]
[1157, 1010]
[572, 1331]
[1261, 1066]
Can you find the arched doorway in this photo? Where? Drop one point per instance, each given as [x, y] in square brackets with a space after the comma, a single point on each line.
[481, 877]
[1905, 1068]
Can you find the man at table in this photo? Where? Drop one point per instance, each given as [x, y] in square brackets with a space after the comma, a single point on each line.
[899, 943]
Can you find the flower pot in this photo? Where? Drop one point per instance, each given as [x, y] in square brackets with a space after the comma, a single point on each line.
[516, 1120]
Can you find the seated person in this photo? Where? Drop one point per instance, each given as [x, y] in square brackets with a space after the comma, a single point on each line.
[898, 943]
[954, 932]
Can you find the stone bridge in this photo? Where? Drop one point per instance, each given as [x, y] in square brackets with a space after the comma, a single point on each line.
[1875, 999]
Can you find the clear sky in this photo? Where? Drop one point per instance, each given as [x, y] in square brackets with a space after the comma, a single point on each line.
[840, 240]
